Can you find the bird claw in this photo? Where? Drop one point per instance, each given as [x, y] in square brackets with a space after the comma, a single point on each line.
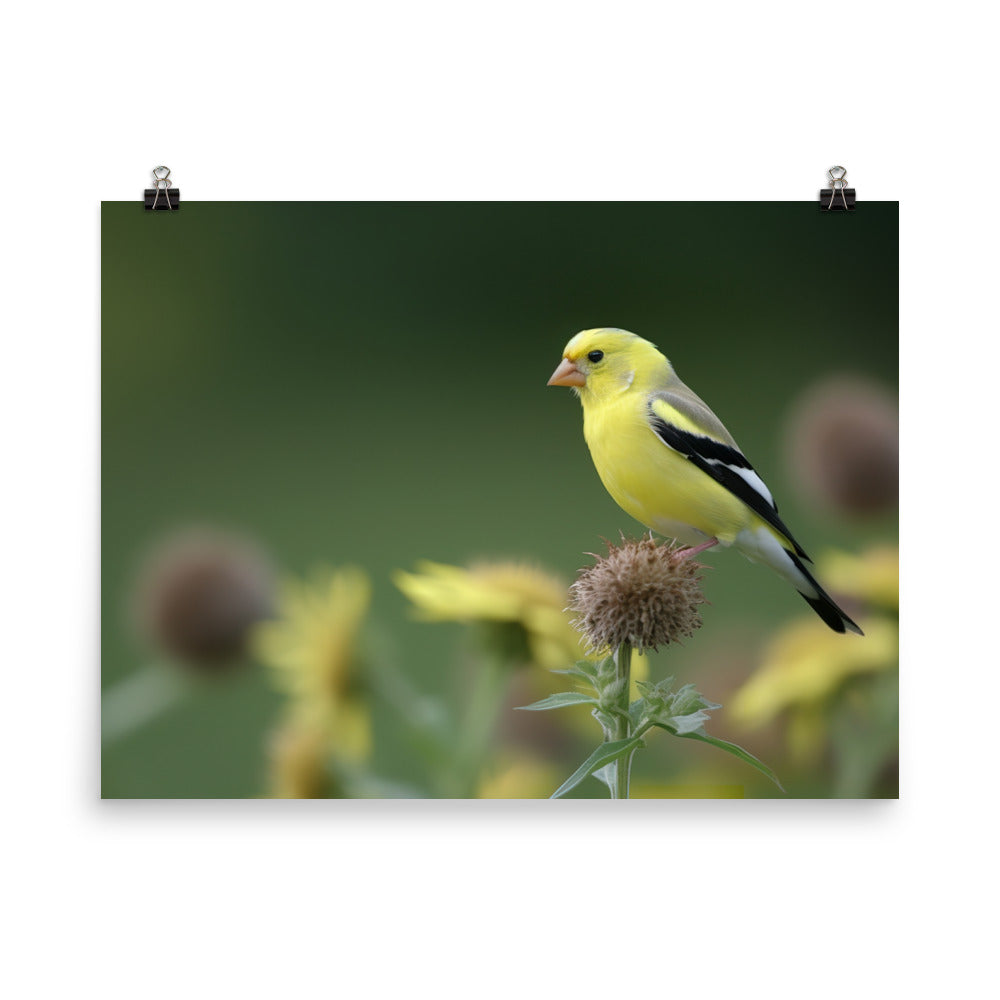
[695, 549]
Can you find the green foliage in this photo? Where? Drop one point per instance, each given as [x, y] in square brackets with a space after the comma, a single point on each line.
[736, 751]
[679, 712]
[560, 701]
[606, 753]
[682, 713]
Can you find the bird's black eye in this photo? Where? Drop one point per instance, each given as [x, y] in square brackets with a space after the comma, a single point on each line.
[595, 356]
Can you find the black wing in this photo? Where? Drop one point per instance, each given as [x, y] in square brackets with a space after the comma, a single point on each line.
[721, 462]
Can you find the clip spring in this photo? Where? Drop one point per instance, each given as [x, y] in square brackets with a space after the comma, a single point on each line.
[162, 196]
[838, 183]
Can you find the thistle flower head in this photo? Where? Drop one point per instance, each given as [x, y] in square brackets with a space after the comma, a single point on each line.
[843, 446]
[200, 594]
[641, 593]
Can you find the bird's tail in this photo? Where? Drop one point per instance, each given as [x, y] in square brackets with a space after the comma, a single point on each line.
[764, 545]
[821, 602]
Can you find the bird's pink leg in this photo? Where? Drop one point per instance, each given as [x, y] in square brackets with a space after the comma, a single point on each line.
[696, 549]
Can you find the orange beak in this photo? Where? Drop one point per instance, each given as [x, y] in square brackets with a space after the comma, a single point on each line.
[567, 374]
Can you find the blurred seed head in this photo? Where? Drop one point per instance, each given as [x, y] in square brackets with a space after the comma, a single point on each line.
[843, 446]
[641, 593]
[198, 596]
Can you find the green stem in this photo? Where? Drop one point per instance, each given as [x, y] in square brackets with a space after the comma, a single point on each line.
[420, 713]
[476, 733]
[623, 766]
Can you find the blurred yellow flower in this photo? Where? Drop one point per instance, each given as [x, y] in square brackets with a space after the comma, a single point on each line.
[872, 576]
[519, 777]
[685, 790]
[505, 593]
[804, 666]
[298, 763]
[311, 650]
[310, 646]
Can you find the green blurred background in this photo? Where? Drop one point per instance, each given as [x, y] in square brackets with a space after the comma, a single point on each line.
[365, 383]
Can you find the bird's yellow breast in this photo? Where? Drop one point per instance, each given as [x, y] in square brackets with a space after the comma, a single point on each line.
[653, 483]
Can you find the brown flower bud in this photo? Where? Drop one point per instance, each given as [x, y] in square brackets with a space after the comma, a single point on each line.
[198, 596]
[843, 446]
[641, 593]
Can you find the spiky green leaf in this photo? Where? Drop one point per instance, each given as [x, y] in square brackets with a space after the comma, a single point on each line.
[732, 748]
[606, 753]
[683, 725]
[560, 700]
[583, 669]
[606, 775]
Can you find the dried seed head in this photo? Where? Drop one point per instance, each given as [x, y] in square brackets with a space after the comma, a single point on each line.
[641, 593]
[843, 446]
[199, 595]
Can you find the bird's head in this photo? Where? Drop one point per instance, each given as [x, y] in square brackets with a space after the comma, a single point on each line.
[603, 362]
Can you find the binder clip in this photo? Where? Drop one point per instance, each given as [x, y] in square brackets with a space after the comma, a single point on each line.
[840, 198]
[162, 197]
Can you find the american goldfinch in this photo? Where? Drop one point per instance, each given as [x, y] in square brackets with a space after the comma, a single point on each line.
[667, 460]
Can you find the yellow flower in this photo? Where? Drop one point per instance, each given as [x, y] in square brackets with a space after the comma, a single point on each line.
[298, 763]
[519, 778]
[872, 577]
[804, 665]
[311, 650]
[502, 593]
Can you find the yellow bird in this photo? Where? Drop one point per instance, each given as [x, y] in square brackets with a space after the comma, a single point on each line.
[667, 460]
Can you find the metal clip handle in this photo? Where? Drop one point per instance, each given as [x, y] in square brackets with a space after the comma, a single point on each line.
[838, 182]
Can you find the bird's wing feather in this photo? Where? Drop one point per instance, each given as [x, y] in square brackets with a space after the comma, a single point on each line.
[685, 424]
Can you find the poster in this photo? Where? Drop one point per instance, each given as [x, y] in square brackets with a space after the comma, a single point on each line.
[325, 423]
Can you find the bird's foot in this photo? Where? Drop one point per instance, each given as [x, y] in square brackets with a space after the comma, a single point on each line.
[695, 549]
